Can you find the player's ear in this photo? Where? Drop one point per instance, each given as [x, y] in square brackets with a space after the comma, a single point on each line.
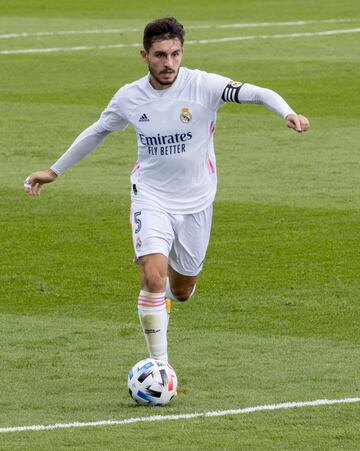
[144, 55]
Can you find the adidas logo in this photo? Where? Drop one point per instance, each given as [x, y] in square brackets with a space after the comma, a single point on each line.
[144, 118]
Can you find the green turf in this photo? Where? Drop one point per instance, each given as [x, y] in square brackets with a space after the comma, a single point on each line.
[276, 313]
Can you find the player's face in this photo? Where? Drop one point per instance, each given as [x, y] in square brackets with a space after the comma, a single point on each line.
[163, 59]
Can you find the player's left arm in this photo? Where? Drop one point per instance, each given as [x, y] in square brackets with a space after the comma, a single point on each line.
[247, 93]
[297, 122]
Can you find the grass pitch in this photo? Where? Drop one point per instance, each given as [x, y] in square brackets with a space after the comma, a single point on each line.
[276, 313]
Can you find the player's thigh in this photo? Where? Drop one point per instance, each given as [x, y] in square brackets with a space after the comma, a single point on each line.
[190, 244]
[152, 232]
[153, 236]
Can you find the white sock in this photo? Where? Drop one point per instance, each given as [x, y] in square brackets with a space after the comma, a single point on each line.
[168, 292]
[154, 321]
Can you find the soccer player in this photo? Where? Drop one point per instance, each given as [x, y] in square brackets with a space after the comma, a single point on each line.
[173, 183]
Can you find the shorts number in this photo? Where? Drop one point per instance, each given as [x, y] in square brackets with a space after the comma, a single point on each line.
[137, 221]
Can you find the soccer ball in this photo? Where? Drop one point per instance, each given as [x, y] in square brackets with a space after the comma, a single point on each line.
[152, 382]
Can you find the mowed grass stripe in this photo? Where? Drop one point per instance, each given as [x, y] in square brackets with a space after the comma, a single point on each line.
[189, 27]
[189, 42]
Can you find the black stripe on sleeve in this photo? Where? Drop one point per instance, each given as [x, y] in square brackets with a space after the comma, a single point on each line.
[231, 92]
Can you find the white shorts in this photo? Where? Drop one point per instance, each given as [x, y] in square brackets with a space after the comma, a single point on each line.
[182, 238]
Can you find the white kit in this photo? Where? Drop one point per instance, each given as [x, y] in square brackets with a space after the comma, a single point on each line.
[176, 168]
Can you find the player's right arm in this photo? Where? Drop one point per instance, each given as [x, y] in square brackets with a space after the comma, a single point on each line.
[33, 184]
[85, 143]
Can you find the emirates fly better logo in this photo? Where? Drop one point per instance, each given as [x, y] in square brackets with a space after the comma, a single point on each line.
[185, 115]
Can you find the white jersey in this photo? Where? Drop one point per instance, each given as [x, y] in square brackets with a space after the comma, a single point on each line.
[176, 168]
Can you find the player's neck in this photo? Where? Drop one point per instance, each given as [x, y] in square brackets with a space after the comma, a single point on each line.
[160, 86]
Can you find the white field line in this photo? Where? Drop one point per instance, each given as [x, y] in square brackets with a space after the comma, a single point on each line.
[190, 27]
[78, 48]
[185, 416]
[275, 36]
[191, 42]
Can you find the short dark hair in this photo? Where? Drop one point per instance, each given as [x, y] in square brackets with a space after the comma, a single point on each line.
[165, 28]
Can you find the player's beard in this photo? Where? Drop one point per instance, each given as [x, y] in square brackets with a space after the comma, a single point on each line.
[162, 82]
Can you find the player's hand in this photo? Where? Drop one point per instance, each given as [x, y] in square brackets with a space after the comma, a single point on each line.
[33, 183]
[297, 122]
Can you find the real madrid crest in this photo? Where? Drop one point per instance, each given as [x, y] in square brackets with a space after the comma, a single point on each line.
[138, 242]
[235, 84]
[185, 115]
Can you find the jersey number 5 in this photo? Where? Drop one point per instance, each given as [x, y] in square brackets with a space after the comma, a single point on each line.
[137, 221]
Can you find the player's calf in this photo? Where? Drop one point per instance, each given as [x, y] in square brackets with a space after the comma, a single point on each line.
[154, 321]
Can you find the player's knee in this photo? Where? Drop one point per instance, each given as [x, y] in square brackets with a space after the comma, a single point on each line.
[153, 273]
[184, 293]
[153, 282]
